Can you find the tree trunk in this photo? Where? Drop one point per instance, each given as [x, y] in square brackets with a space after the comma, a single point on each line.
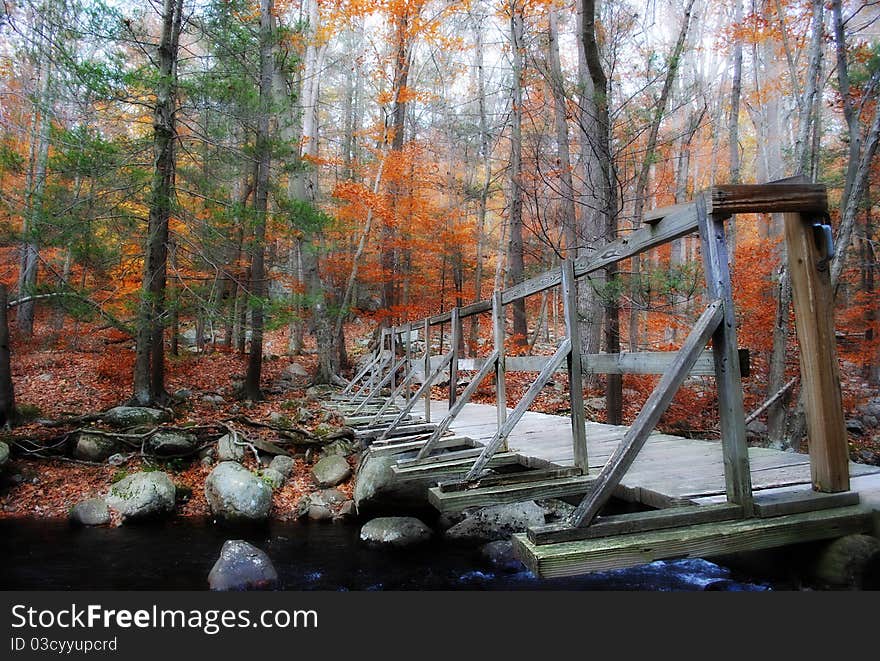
[733, 121]
[7, 390]
[516, 263]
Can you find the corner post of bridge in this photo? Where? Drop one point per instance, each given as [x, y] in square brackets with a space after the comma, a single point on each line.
[427, 368]
[455, 338]
[498, 332]
[575, 370]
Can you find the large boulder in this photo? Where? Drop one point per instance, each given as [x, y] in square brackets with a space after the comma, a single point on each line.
[142, 496]
[236, 494]
[90, 512]
[94, 447]
[330, 471]
[377, 489]
[395, 531]
[850, 562]
[229, 448]
[4, 454]
[133, 416]
[497, 522]
[242, 566]
[171, 443]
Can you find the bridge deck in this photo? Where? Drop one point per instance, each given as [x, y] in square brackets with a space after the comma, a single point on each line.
[669, 471]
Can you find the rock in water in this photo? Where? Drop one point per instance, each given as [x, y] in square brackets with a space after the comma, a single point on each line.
[4, 454]
[850, 562]
[228, 449]
[282, 464]
[170, 443]
[142, 496]
[242, 566]
[498, 522]
[94, 447]
[132, 416]
[500, 555]
[376, 489]
[90, 512]
[396, 531]
[236, 494]
[330, 471]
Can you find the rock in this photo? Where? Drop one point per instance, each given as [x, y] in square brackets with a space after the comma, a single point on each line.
[274, 479]
[171, 443]
[595, 403]
[332, 470]
[236, 494]
[375, 487]
[330, 496]
[870, 421]
[341, 446]
[497, 522]
[228, 449]
[282, 464]
[319, 513]
[4, 454]
[347, 511]
[132, 416]
[90, 512]
[242, 566]
[182, 394]
[216, 400]
[855, 426]
[142, 496]
[448, 519]
[872, 408]
[118, 459]
[279, 420]
[304, 414]
[324, 429]
[320, 392]
[756, 428]
[94, 447]
[499, 554]
[395, 531]
[555, 509]
[293, 372]
[44, 378]
[852, 561]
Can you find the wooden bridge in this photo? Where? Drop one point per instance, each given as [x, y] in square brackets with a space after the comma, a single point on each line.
[708, 497]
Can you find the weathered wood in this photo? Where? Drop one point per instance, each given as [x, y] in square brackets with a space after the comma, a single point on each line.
[498, 332]
[459, 405]
[397, 430]
[361, 374]
[523, 477]
[427, 391]
[385, 381]
[450, 469]
[727, 375]
[391, 401]
[425, 388]
[407, 351]
[699, 541]
[812, 299]
[446, 457]
[645, 422]
[622, 524]
[767, 198]
[455, 339]
[654, 216]
[575, 370]
[455, 501]
[523, 405]
[405, 445]
[778, 504]
[465, 311]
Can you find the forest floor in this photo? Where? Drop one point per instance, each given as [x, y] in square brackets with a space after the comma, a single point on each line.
[91, 371]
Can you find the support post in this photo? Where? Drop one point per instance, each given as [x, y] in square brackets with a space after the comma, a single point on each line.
[738, 479]
[575, 371]
[812, 299]
[407, 343]
[500, 367]
[427, 368]
[455, 336]
[394, 332]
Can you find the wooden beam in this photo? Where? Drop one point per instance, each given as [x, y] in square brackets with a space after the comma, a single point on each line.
[405, 446]
[427, 371]
[623, 524]
[654, 216]
[795, 502]
[644, 424]
[455, 501]
[498, 333]
[767, 198]
[735, 451]
[385, 380]
[521, 477]
[454, 467]
[812, 299]
[575, 370]
[699, 541]
[504, 431]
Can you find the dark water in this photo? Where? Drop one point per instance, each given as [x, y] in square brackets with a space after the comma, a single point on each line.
[41, 555]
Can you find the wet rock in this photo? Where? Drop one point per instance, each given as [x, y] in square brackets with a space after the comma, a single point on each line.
[499, 554]
[319, 513]
[376, 488]
[171, 443]
[133, 416]
[282, 464]
[142, 496]
[347, 510]
[273, 478]
[850, 562]
[90, 512]
[242, 566]
[395, 531]
[332, 470]
[94, 447]
[236, 494]
[497, 522]
[228, 449]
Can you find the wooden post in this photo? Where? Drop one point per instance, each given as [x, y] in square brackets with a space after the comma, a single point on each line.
[738, 479]
[500, 368]
[455, 336]
[407, 343]
[427, 368]
[812, 299]
[575, 370]
[394, 332]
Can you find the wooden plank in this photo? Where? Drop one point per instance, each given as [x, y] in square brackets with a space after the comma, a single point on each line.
[470, 453]
[575, 370]
[735, 451]
[455, 466]
[459, 405]
[455, 501]
[778, 504]
[699, 541]
[523, 477]
[645, 422]
[671, 227]
[388, 378]
[391, 400]
[465, 311]
[623, 524]
[523, 405]
[427, 329]
[407, 446]
[397, 430]
[654, 216]
[767, 198]
[812, 299]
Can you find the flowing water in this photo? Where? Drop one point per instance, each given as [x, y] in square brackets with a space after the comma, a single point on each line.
[177, 555]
